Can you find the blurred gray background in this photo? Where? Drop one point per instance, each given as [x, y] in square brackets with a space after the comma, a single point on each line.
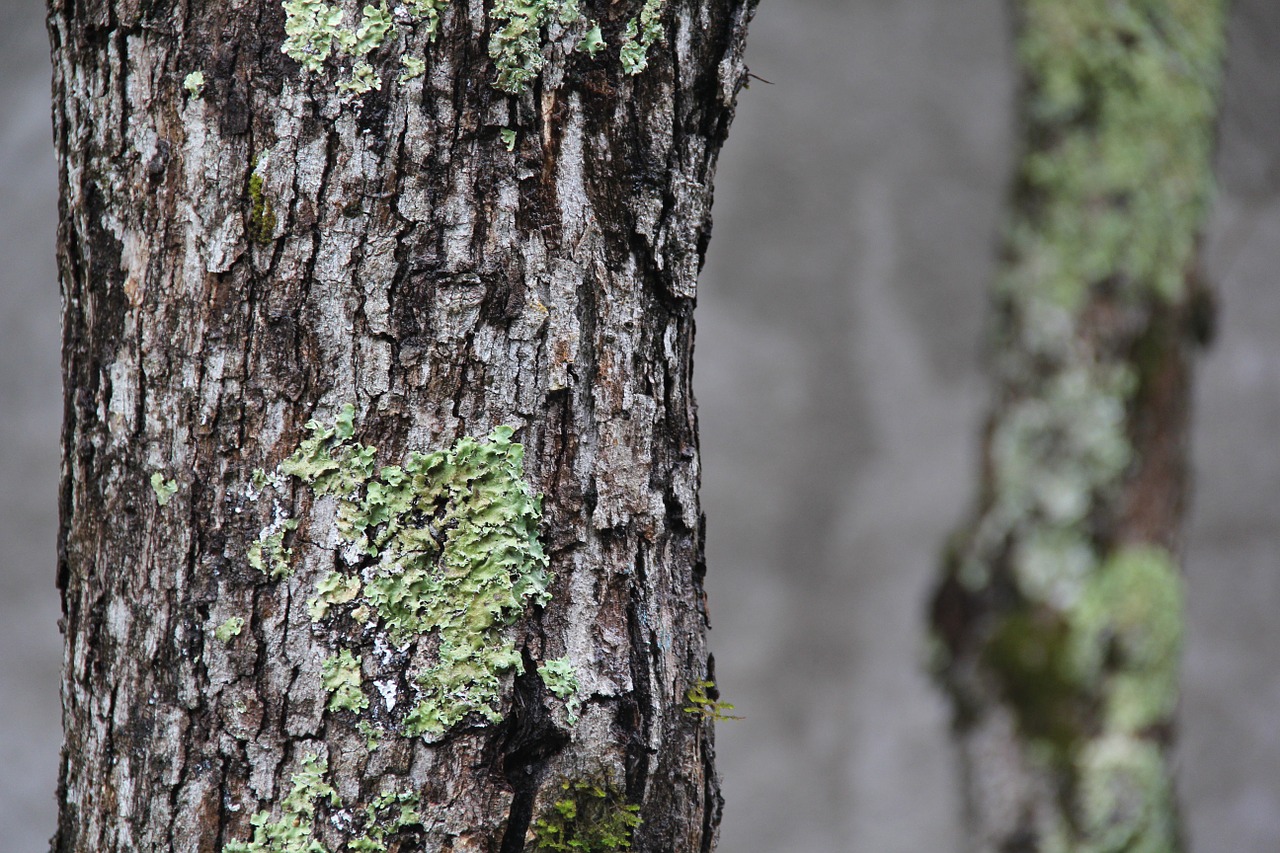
[840, 384]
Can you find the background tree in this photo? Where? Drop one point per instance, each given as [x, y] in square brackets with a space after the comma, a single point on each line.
[1060, 613]
[464, 241]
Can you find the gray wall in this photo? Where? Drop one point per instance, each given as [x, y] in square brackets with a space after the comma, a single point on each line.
[839, 377]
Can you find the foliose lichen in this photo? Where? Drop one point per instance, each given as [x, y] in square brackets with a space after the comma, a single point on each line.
[164, 489]
[385, 816]
[516, 45]
[295, 828]
[440, 553]
[194, 83]
[1125, 801]
[340, 675]
[641, 33]
[588, 818]
[1129, 91]
[316, 36]
[561, 679]
[293, 831]
[230, 628]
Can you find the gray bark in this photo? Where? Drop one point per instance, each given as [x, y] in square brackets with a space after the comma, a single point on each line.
[239, 257]
[1059, 614]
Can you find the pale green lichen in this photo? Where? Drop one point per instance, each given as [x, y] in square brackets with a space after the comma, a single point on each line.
[293, 831]
[588, 818]
[340, 675]
[228, 629]
[412, 67]
[428, 11]
[268, 553]
[375, 23]
[508, 138]
[1125, 798]
[164, 489]
[640, 34]
[385, 816]
[450, 554]
[516, 44]
[194, 83]
[1126, 94]
[373, 734]
[593, 42]
[363, 79]
[1128, 629]
[522, 30]
[313, 31]
[561, 679]
[333, 588]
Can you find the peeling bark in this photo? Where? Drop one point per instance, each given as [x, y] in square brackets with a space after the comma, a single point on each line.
[241, 257]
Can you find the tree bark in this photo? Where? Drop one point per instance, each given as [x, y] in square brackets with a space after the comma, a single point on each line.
[1059, 613]
[258, 244]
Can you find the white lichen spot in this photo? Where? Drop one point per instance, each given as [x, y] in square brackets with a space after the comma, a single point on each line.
[389, 692]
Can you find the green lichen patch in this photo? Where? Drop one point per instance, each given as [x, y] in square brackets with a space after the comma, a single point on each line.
[516, 43]
[1129, 631]
[388, 814]
[229, 629]
[641, 33]
[708, 707]
[412, 67]
[363, 79]
[194, 83]
[318, 38]
[593, 42]
[559, 677]
[448, 556]
[313, 32]
[588, 818]
[1125, 802]
[333, 588]
[373, 734]
[164, 489]
[1122, 101]
[268, 553]
[293, 831]
[340, 675]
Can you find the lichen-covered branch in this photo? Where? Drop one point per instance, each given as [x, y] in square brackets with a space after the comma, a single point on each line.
[1059, 616]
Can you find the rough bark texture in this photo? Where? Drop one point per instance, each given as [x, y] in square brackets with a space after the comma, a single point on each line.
[1059, 614]
[241, 256]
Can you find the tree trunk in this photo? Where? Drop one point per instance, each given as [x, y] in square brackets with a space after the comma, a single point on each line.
[455, 221]
[1059, 613]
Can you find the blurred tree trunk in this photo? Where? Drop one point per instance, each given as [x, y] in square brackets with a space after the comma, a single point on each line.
[253, 234]
[1059, 614]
